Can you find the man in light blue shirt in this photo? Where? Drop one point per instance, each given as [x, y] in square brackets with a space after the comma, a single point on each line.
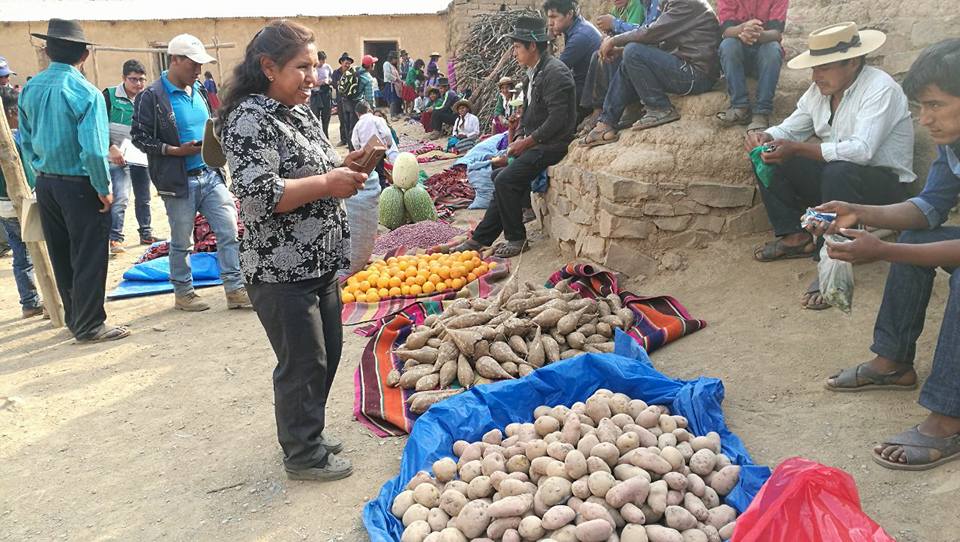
[64, 137]
[185, 183]
[925, 245]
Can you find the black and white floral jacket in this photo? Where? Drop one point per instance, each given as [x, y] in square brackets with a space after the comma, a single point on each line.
[266, 143]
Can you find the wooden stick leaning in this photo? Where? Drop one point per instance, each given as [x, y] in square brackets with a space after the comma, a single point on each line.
[18, 190]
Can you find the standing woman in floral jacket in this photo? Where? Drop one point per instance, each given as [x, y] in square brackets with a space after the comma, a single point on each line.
[287, 180]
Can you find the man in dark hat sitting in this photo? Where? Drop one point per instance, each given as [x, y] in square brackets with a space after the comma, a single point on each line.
[546, 129]
[63, 125]
[443, 112]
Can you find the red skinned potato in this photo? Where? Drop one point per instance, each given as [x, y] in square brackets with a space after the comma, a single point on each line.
[473, 520]
[633, 490]
[659, 533]
[558, 516]
[416, 532]
[595, 530]
[634, 533]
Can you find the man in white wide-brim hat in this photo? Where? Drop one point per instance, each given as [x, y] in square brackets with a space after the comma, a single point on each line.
[865, 149]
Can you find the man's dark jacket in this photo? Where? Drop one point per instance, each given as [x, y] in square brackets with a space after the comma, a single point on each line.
[550, 110]
[154, 129]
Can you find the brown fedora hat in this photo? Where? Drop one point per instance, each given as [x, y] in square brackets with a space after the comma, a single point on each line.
[837, 42]
[63, 30]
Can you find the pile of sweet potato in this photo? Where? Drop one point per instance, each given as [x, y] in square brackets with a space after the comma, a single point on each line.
[612, 468]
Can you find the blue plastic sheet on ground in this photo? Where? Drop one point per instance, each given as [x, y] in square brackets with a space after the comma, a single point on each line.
[478, 175]
[153, 277]
[471, 414]
[484, 150]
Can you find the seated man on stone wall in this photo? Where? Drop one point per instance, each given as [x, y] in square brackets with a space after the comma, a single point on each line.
[626, 15]
[545, 131]
[752, 32]
[865, 153]
[924, 245]
[580, 41]
[676, 54]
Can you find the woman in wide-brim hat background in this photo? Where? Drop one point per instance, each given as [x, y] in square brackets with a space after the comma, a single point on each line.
[466, 128]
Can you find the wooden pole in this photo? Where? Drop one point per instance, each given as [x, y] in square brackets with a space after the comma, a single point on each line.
[18, 189]
[216, 51]
[96, 68]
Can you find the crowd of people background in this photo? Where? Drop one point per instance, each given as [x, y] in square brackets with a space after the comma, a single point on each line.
[271, 127]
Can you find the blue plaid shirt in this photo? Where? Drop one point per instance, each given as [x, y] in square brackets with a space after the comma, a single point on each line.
[63, 126]
[942, 191]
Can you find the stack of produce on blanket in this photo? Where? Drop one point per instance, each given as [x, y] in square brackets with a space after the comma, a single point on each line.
[414, 275]
[450, 191]
[406, 201]
[482, 46]
[477, 341]
[610, 468]
[422, 235]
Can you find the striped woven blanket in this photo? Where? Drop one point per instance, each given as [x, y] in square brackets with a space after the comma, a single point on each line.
[382, 409]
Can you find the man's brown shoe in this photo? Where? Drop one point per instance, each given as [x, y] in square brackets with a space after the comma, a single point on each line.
[190, 302]
[238, 299]
[30, 313]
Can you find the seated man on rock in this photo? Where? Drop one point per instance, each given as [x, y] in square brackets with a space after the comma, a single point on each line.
[752, 32]
[865, 153]
[580, 41]
[546, 129]
[443, 113]
[626, 15]
[676, 54]
[924, 245]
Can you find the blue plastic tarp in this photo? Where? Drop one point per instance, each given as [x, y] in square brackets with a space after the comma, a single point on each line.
[471, 414]
[153, 277]
[484, 150]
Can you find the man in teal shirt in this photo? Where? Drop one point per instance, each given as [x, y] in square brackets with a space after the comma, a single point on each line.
[64, 138]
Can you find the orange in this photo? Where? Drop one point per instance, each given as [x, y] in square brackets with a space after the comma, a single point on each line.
[405, 289]
[347, 297]
[362, 276]
[360, 298]
[492, 265]
[444, 272]
[353, 281]
[428, 287]
[395, 281]
[457, 271]
[415, 290]
[412, 270]
[395, 291]
[411, 280]
[441, 286]
[383, 292]
[364, 286]
[434, 278]
[373, 298]
[392, 260]
[456, 283]
[372, 292]
[373, 278]
[421, 280]
[471, 277]
[482, 270]
[383, 281]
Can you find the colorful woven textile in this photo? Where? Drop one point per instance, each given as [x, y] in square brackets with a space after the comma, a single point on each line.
[450, 191]
[436, 156]
[382, 409]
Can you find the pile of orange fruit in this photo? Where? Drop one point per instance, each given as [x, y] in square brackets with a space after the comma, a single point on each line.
[414, 275]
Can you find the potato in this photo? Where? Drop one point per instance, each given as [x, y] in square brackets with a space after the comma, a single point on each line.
[421, 477]
[597, 408]
[607, 452]
[575, 465]
[634, 533]
[694, 535]
[650, 514]
[499, 526]
[595, 464]
[416, 532]
[595, 530]
[607, 431]
[493, 463]
[628, 441]
[722, 461]
[726, 532]
[470, 453]
[685, 450]
[695, 484]
[535, 449]
[725, 479]
[445, 469]
[451, 534]
[710, 498]
[473, 519]
[558, 516]
[649, 418]
[491, 449]
[496, 479]
[471, 470]
[679, 518]
[480, 487]
[673, 456]
[721, 515]
[587, 443]
[457, 485]
[674, 498]
[531, 528]
[703, 461]
[676, 481]
[554, 490]
[459, 446]
[511, 506]
[511, 487]
[559, 450]
[650, 462]
[452, 502]
[667, 439]
[590, 510]
[556, 468]
[571, 429]
[695, 506]
[510, 441]
[432, 537]
[659, 533]
[600, 483]
[713, 535]
[667, 423]
[416, 512]
[567, 533]
[437, 519]
[401, 503]
[427, 494]
[710, 441]
[626, 471]
[633, 490]
[657, 497]
[546, 425]
[538, 507]
[556, 436]
[581, 488]
[632, 513]
[511, 535]
[511, 429]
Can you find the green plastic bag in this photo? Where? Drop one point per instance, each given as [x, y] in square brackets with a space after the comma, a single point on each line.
[764, 171]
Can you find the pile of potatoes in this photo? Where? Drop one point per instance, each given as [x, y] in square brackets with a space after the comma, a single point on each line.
[476, 341]
[610, 469]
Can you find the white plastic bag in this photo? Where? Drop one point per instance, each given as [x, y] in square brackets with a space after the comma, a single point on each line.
[836, 277]
[362, 212]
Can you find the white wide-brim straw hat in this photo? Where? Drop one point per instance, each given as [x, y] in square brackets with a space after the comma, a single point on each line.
[837, 42]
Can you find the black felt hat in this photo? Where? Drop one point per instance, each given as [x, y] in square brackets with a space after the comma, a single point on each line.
[63, 30]
[530, 30]
[345, 56]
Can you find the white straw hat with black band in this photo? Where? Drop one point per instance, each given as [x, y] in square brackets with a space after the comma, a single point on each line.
[837, 42]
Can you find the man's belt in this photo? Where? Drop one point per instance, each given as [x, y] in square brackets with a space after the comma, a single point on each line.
[71, 178]
[196, 172]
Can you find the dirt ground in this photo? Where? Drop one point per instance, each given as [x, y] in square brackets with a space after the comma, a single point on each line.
[170, 434]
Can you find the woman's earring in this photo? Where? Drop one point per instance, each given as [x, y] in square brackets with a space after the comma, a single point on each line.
[269, 78]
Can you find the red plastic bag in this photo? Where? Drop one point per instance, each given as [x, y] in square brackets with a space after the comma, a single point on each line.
[806, 501]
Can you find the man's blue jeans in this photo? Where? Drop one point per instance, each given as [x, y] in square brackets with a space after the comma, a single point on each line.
[22, 265]
[648, 74]
[763, 60]
[901, 317]
[209, 196]
[123, 178]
